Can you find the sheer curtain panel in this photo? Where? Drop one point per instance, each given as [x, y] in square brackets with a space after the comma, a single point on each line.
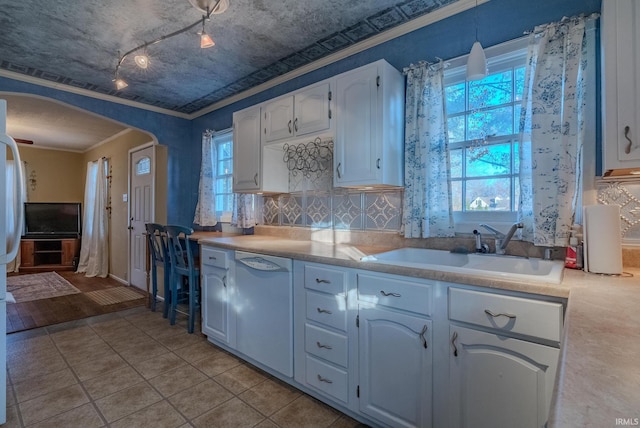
[427, 195]
[14, 265]
[94, 251]
[206, 208]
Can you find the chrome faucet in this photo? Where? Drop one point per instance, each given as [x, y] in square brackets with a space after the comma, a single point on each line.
[503, 240]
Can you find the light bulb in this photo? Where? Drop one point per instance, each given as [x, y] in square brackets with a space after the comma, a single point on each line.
[142, 61]
[121, 84]
[206, 41]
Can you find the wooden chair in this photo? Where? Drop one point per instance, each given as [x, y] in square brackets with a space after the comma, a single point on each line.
[183, 268]
[159, 252]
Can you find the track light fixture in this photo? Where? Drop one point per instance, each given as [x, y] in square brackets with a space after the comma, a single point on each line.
[208, 7]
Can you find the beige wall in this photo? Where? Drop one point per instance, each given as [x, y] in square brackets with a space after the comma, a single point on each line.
[117, 151]
[53, 175]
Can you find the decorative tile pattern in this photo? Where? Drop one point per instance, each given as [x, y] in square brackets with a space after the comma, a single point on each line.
[383, 210]
[291, 210]
[347, 212]
[627, 196]
[271, 210]
[318, 210]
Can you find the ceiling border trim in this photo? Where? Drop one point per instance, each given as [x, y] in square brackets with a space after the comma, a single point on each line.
[392, 33]
[92, 94]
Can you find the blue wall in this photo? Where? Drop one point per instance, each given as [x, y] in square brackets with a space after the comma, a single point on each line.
[499, 21]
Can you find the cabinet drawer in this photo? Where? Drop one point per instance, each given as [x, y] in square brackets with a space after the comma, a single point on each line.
[506, 313]
[212, 257]
[395, 293]
[326, 344]
[324, 279]
[327, 378]
[327, 309]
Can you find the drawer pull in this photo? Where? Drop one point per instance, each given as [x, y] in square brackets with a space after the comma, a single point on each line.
[494, 315]
[324, 311]
[453, 342]
[321, 346]
[322, 281]
[213, 258]
[324, 379]
[422, 338]
[224, 281]
[384, 293]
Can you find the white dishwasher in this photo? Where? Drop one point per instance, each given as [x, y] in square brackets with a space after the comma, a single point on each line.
[264, 310]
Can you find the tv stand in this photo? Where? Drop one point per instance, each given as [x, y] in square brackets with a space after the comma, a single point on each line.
[47, 254]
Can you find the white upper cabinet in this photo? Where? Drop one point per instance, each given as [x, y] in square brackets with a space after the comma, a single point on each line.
[246, 150]
[621, 83]
[369, 141]
[305, 112]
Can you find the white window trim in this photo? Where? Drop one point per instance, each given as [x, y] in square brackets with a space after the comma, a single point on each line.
[503, 56]
[220, 137]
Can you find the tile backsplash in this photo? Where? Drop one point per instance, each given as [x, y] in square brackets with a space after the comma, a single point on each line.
[313, 202]
[626, 194]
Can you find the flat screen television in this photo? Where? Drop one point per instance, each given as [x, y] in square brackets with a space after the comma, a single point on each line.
[52, 219]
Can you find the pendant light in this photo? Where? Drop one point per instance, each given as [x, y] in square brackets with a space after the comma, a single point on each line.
[477, 61]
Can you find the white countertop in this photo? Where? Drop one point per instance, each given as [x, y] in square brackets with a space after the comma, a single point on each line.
[599, 371]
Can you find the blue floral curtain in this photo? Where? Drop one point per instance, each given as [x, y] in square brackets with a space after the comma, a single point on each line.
[427, 208]
[245, 210]
[206, 208]
[552, 131]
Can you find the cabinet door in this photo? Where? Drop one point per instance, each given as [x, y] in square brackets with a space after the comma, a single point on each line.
[356, 145]
[621, 83]
[215, 303]
[395, 367]
[499, 382]
[246, 150]
[278, 119]
[312, 110]
[27, 249]
[69, 250]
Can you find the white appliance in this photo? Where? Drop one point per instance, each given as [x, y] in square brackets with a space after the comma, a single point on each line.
[264, 324]
[7, 254]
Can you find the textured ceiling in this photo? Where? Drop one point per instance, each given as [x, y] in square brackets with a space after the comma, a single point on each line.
[78, 43]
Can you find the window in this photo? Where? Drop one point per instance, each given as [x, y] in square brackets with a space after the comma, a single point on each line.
[482, 119]
[224, 174]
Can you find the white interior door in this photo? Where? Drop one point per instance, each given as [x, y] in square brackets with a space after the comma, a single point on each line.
[141, 183]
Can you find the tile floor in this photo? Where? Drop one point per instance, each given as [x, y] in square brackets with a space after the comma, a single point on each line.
[132, 369]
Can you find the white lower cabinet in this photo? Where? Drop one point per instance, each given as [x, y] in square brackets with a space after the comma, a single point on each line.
[395, 367]
[218, 321]
[499, 382]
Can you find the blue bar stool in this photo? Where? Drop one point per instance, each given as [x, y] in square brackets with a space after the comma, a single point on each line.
[183, 267]
[159, 252]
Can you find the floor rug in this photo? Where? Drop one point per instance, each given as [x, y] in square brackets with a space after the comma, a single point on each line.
[114, 295]
[38, 286]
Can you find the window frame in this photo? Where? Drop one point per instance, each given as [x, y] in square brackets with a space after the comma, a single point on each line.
[219, 138]
[501, 57]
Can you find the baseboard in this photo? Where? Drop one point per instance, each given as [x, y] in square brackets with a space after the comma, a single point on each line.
[112, 276]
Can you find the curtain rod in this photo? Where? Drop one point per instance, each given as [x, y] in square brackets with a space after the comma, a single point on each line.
[423, 63]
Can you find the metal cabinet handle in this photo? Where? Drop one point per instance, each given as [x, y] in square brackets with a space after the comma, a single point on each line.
[224, 281]
[255, 178]
[295, 125]
[338, 170]
[213, 258]
[453, 342]
[322, 346]
[289, 125]
[323, 281]
[324, 311]
[378, 163]
[494, 315]
[627, 150]
[422, 338]
[384, 293]
[324, 379]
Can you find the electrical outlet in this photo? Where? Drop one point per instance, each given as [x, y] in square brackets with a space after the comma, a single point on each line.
[125, 197]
